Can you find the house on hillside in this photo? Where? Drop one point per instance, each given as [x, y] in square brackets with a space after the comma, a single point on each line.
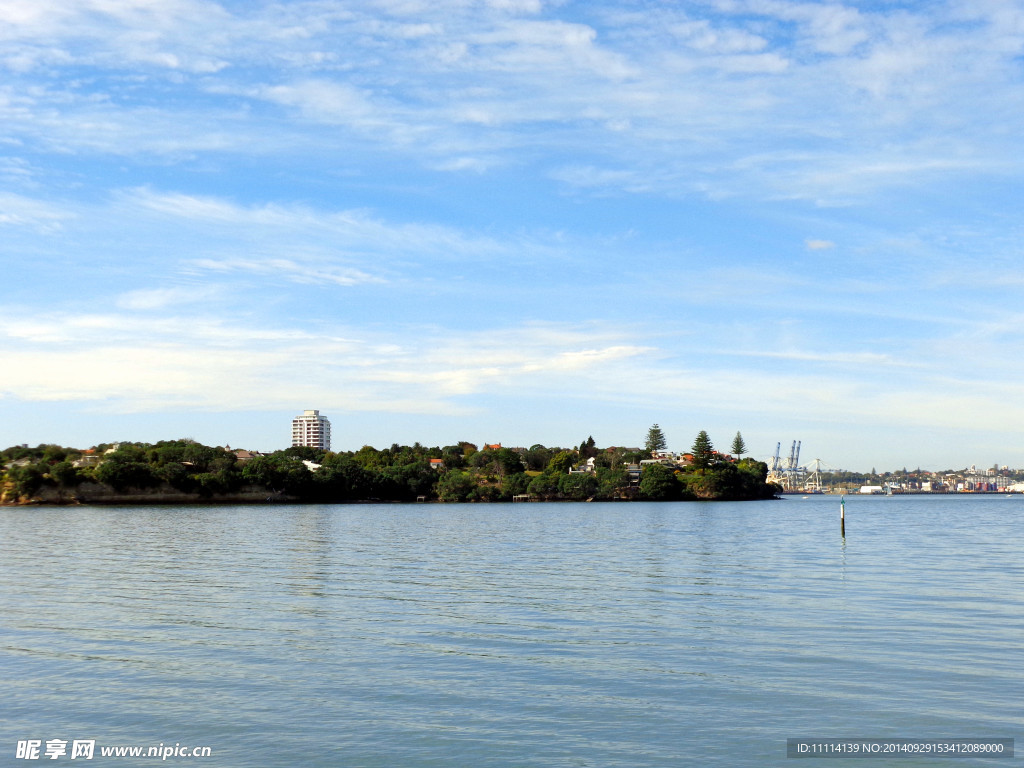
[89, 458]
[585, 467]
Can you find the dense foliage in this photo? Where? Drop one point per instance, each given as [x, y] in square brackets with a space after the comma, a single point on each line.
[455, 473]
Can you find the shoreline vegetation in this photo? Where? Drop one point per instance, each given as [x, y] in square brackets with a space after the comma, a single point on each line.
[186, 472]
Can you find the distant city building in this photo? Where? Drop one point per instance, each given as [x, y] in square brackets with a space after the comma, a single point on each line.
[312, 430]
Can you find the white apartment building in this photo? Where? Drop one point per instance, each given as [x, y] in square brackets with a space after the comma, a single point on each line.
[312, 429]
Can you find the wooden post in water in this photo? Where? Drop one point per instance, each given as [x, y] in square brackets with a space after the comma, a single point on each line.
[842, 516]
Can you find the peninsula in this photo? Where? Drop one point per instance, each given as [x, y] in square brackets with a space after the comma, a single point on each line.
[184, 471]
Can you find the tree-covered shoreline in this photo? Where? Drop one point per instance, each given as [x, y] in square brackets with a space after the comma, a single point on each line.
[190, 471]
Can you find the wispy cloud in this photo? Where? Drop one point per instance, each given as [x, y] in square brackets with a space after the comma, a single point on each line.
[412, 79]
[164, 298]
[33, 213]
[293, 271]
[173, 34]
[140, 362]
[352, 233]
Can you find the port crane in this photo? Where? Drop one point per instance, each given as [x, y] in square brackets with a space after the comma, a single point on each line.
[788, 473]
[813, 484]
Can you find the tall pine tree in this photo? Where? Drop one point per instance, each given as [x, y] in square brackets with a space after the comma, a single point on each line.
[738, 446]
[703, 451]
[588, 448]
[655, 440]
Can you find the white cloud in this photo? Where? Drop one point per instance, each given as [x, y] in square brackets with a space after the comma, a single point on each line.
[603, 178]
[516, 6]
[163, 298]
[140, 361]
[830, 28]
[326, 101]
[342, 245]
[293, 271]
[203, 362]
[144, 362]
[466, 86]
[875, 360]
[172, 34]
[39, 215]
[705, 37]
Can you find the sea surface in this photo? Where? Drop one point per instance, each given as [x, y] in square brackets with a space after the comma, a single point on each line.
[547, 635]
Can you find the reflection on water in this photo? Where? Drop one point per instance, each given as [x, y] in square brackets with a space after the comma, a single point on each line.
[526, 635]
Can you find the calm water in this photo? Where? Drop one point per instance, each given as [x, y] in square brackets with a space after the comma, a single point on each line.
[513, 635]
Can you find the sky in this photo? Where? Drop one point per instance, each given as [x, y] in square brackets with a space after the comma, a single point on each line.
[516, 221]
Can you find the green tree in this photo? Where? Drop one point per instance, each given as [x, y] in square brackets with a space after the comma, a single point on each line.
[743, 480]
[481, 459]
[514, 485]
[612, 481]
[509, 462]
[54, 454]
[453, 457]
[485, 493]
[713, 484]
[588, 448]
[497, 462]
[341, 478]
[406, 482]
[65, 474]
[578, 486]
[537, 457]
[128, 452]
[167, 452]
[703, 451]
[561, 462]
[633, 457]
[544, 485]
[125, 473]
[27, 479]
[655, 440]
[177, 476]
[201, 456]
[305, 452]
[738, 446]
[658, 483]
[455, 485]
[211, 483]
[279, 472]
[367, 457]
[754, 477]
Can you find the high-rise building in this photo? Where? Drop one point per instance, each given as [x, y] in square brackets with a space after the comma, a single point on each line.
[312, 429]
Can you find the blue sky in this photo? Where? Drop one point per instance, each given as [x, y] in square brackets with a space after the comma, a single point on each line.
[516, 220]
